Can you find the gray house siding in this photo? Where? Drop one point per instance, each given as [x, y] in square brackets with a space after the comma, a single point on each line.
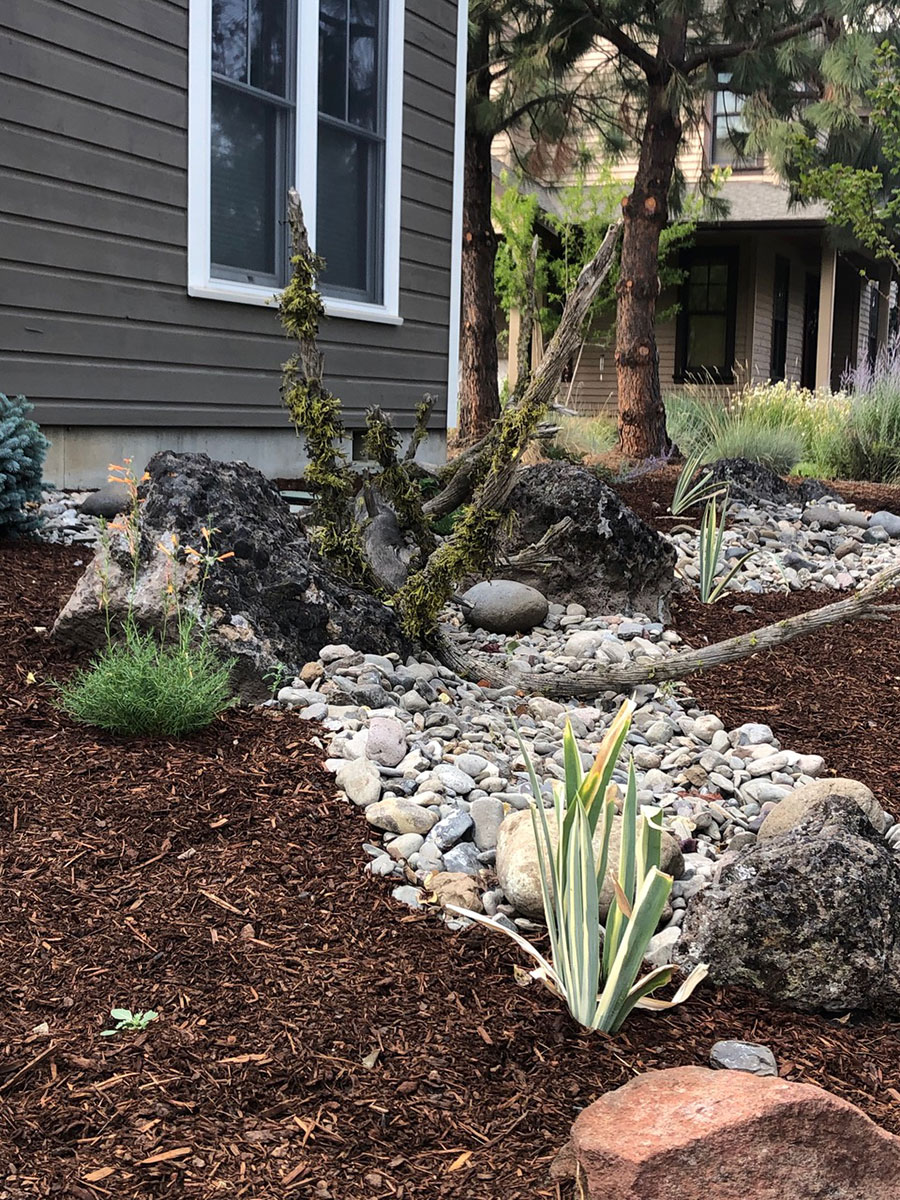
[96, 326]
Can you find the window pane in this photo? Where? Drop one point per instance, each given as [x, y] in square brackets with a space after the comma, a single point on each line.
[229, 39]
[243, 181]
[346, 176]
[717, 298]
[362, 99]
[268, 45]
[706, 343]
[333, 58]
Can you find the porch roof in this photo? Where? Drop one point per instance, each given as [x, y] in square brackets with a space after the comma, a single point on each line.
[765, 202]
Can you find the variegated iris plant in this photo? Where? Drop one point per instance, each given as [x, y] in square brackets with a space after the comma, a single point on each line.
[597, 972]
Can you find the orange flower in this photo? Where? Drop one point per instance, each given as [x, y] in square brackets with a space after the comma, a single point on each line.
[222, 557]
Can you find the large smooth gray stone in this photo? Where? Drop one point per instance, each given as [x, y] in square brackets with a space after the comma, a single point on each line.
[503, 606]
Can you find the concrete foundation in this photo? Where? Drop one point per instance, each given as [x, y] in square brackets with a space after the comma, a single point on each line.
[79, 456]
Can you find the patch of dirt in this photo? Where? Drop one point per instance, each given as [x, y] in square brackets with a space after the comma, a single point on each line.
[315, 1039]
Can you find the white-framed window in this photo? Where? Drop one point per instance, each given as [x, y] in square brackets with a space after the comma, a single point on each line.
[303, 93]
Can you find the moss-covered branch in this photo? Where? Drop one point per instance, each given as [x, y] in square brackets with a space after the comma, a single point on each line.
[395, 481]
[315, 412]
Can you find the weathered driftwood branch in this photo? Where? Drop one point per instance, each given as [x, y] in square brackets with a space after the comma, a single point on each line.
[460, 482]
[471, 546]
[540, 553]
[589, 684]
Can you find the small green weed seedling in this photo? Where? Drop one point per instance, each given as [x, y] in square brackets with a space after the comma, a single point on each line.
[126, 1019]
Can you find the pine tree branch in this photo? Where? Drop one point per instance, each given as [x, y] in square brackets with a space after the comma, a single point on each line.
[612, 32]
[721, 53]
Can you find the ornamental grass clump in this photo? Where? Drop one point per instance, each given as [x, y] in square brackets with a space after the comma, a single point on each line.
[596, 971]
[147, 683]
[709, 551]
[765, 423]
[690, 491]
[22, 451]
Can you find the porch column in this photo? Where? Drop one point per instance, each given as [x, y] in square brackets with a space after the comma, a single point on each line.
[826, 317]
[885, 275]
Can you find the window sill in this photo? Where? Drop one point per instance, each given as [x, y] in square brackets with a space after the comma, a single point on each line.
[242, 293]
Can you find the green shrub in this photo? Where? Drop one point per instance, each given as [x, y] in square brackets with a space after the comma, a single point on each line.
[167, 683]
[141, 688]
[22, 451]
[778, 449]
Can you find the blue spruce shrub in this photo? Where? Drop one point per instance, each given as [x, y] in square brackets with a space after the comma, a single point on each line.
[22, 450]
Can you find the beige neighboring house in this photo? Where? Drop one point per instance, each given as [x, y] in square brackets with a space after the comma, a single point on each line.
[768, 293]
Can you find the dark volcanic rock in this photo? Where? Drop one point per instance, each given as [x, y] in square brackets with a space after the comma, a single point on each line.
[272, 605]
[812, 490]
[751, 482]
[810, 918]
[610, 561]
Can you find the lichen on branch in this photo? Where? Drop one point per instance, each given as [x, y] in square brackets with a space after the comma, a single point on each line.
[316, 412]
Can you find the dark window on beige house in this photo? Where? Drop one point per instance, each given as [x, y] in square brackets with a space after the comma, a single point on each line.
[707, 316]
[780, 296]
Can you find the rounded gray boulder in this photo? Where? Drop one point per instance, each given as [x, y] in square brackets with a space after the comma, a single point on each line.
[503, 606]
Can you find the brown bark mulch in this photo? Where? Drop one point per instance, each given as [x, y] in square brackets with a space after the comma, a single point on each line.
[315, 1038]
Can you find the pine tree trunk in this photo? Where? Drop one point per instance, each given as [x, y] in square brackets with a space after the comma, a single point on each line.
[642, 418]
[479, 397]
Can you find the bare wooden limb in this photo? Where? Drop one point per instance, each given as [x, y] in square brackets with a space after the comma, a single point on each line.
[460, 483]
[472, 545]
[540, 554]
[589, 684]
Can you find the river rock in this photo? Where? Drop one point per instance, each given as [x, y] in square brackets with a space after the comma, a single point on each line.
[487, 812]
[107, 502]
[743, 1056]
[504, 606]
[400, 816]
[455, 887]
[691, 1133]
[387, 741]
[884, 520]
[271, 606]
[610, 560]
[519, 873]
[361, 781]
[810, 918]
[803, 800]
